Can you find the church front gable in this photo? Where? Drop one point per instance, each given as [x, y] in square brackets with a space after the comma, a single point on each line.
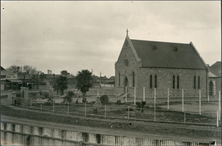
[126, 69]
[126, 53]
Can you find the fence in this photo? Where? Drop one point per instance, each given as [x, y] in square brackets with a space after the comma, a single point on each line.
[181, 109]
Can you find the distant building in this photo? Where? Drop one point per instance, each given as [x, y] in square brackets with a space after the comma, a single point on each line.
[161, 65]
[214, 81]
[9, 80]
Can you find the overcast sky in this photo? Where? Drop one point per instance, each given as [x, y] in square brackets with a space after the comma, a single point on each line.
[89, 35]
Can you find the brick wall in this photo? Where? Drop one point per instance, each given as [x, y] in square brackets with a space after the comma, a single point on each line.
[165, 80]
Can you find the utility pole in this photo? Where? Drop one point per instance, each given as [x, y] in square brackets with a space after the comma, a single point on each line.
[100, 79]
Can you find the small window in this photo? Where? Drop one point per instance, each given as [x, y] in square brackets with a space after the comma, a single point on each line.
[133, 79]
[178, 82]
[155, 81]
[175, 49]
[198, 82]
[194, 82]
[151, 79]
[173, 82]
[154, 47]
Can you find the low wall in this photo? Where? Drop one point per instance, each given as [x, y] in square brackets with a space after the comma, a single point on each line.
[16, 133]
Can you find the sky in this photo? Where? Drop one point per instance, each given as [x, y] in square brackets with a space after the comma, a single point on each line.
[76, 35]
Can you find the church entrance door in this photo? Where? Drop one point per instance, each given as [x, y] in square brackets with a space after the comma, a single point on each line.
[211, 88]
[126, 83]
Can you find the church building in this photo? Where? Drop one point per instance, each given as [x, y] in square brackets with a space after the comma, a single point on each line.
[144, 65]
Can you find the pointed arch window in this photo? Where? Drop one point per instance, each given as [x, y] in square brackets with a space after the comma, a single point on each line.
[198, 82]
[151, 79]
[133, 79]
[173, 82]
[155, 81]
[194, 82]
[178, 82]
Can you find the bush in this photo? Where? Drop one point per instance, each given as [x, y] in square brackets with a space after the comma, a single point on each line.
[84, 100]
[141, 104]
[104, 99]
[118, 102]
[68, 97]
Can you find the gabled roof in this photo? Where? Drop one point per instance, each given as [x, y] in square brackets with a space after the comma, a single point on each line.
[211, 75]
[2, 68]
[216, 68]
[167, 55]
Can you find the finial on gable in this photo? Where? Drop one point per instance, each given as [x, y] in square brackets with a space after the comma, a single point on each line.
[127, 32]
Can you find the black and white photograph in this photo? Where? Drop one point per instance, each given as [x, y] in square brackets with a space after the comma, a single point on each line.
[110, 73]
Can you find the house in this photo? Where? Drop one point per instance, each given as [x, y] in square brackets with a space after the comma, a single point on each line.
[144, 65]
[214, 81]
[9, 80]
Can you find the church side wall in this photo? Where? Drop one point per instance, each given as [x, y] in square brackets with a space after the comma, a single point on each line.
[165, 81]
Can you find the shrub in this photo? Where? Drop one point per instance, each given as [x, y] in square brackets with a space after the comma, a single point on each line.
[143, 103]
[104, 99]
[118, 101]
[70, 94]
[68, 97]
[138, 104]
[84, 100]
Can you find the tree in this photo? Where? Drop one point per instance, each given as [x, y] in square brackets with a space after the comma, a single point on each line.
[42, 76]
[84, 81]
[14, 68]
[28, 70]
[61, 84]
[64, 72]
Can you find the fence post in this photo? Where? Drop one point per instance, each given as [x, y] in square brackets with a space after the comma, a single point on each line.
[168, 99]
[219, 104]
[199, 102]
[217, 119]
[154, 105]
[128, 112]
[182, 100]
[22, 102]
[208, 99]
[52, 105]
[68, 108]
[126, 96]
[184, 117]
[134, 95]
[85, 109]
[30, 102]
[144, 93]
[105, 111]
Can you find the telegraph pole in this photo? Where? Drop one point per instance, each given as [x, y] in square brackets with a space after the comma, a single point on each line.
[100, 79]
